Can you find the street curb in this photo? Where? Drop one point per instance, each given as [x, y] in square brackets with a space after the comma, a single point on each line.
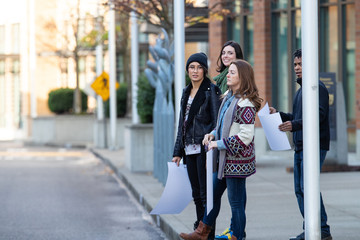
[159, 220]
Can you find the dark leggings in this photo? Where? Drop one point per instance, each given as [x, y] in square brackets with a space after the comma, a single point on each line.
[196, 168]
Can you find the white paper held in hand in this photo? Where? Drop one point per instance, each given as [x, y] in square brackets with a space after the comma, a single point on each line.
[209, 181]
[270, 122]
[177, 193]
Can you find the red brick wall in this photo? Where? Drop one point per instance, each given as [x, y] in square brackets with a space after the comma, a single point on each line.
[217, 38]
[262, 45]
[357, 63]
[262, 48]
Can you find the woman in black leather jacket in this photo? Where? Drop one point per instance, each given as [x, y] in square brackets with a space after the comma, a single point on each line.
[200, 103]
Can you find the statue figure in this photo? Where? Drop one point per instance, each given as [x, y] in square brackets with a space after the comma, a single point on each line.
[161, 76]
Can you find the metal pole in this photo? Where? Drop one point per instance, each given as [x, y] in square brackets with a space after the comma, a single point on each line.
[310, 101]
[134, 66]
[32, 58]
[99, 64]
[112, 75]
[99, 70]
[179, 61]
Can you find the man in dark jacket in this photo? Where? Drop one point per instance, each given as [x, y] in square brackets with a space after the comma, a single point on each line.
[293, 122]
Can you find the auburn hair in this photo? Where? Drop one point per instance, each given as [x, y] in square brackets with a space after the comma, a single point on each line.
[248, 88]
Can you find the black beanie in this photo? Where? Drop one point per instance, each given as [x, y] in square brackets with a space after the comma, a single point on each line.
[201, 58]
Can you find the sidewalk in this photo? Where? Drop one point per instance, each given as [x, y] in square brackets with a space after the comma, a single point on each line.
[271, 210]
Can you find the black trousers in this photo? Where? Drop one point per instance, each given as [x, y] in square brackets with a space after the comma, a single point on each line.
[196, 168]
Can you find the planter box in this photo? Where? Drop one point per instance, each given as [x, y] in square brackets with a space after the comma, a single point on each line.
[102, 132]
[139, 147]
[73, 130]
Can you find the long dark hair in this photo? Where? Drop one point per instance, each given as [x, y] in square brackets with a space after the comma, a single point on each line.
[248, 88]
[238, 52]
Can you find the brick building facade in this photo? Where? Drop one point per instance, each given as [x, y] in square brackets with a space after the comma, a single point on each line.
[274, 28]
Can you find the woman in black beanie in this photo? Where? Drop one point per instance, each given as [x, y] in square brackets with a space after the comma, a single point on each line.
[200, 103]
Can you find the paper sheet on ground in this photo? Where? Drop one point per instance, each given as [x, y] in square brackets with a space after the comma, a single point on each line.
[209, 181]
[277, 139]
[177, 193]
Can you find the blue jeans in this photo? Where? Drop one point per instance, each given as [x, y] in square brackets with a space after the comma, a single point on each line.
[237, 199]
[299, 187]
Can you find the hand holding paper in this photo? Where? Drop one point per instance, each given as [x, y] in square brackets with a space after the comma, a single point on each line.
[277, 139]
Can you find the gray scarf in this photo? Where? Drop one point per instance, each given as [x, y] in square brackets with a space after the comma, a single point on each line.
[228, 120]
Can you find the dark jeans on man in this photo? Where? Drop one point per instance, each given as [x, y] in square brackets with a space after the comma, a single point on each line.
[299, 187]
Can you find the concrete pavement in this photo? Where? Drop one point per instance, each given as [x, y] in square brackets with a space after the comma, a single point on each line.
[271, 210]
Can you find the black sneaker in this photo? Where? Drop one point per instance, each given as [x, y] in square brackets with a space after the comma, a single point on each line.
[326, 236]
[301, 236]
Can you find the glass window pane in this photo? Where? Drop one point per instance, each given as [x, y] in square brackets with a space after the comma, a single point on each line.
[248, 6]
[82, 64]
[296, 41]
[16, 67]
[16, 97]
[280, 95]
[329, 39]
[275, 4]
[328, 1]
[15, 38]
[2, 67]
[296, 21]
[2, 39]
[295, 3]
[248, 47]
[235, 26]
[349, 70]
[2, 93]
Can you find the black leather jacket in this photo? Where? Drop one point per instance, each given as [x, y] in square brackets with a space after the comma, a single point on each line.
[202, 115]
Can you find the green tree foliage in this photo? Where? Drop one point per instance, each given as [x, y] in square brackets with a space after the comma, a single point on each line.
[145, 100]
[121, 93]
[61, 100]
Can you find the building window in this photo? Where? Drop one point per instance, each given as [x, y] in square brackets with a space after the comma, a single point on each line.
[328, 39]
[286, 38]
[336, 50]
[348, 59]
[15, 31]
[119, 68]
[280, 59]
[2, 93]
[241, 27]
[16, 92]
[2, 39]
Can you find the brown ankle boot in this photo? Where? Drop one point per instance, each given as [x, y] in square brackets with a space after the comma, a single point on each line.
[201, 233]
[233, 238]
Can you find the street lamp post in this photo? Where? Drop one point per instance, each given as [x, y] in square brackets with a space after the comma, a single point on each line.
[310, 101]
[179, 59]
[134, 66]
[112, 75]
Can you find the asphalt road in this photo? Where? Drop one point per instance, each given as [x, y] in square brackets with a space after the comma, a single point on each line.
[53, 193]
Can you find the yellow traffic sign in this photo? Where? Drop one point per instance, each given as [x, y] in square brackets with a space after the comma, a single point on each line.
[101, 86]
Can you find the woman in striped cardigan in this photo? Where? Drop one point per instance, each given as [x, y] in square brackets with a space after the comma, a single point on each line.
[234, 152]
